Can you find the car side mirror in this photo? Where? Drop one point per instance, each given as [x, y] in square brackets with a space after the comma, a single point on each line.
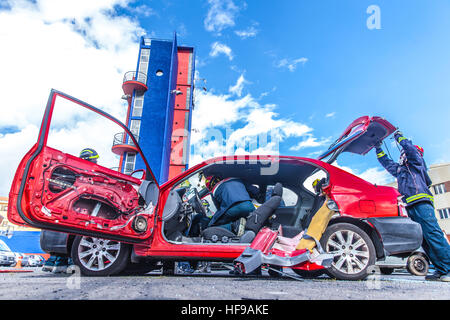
[138, 174]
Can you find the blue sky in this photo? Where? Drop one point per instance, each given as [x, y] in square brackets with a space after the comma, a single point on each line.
[306, 68]
[400, 72]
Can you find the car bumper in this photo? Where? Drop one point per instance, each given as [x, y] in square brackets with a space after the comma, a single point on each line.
[398, 234]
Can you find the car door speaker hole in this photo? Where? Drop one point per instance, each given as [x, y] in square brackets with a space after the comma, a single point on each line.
[95, 208]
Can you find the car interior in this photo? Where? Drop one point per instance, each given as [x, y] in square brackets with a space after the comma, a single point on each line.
[290, 201]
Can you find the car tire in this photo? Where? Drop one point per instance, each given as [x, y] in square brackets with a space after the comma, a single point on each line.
[99, 257]
[417, 265]
[309, 274]
[386, 271]
[354, 252]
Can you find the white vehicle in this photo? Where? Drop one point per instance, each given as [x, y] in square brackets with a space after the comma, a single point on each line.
[7, 257]
[35, 260]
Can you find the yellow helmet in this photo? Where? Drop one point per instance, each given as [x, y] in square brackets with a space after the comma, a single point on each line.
[315, 182]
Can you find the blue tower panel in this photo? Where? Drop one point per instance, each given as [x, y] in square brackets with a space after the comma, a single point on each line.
[157, 114]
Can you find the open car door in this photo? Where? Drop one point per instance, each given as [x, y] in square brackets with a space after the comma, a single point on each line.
[57, 190]
[360, 137]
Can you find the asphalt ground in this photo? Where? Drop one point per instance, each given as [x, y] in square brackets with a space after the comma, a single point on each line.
[217, 285]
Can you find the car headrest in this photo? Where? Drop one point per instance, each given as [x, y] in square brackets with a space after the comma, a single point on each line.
[277, 190]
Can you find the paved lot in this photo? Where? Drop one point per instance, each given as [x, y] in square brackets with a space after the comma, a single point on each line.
[215, 285]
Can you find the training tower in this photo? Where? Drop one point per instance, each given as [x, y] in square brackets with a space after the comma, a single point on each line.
[159, 95]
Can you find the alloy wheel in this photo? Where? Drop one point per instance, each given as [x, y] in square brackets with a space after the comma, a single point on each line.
[98, 254]
[350, 250]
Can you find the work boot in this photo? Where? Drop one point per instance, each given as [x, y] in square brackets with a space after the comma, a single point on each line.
[204, 267]
[71, 268]
[238, 227]
[61, 265]
[184, 267]
[49, 264]
[436, 276]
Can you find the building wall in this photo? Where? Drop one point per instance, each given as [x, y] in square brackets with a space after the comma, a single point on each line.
[440, 176]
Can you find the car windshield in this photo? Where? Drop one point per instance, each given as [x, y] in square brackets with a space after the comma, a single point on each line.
[4, 247]
[196, 181]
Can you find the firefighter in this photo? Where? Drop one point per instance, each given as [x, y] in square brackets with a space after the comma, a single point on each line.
[232, 198]
[413, 184]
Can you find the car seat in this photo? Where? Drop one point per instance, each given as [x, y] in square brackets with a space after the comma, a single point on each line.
[255, 221]
[291, 231]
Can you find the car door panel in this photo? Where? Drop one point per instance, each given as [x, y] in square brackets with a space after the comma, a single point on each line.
[58, 191]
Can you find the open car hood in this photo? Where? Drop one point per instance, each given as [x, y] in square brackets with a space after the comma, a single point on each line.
[359, 137]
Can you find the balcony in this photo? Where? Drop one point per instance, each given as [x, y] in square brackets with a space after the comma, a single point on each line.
[133, 80]
[121, 145]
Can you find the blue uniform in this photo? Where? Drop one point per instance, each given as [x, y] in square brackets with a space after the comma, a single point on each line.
[232, 198]
[413, 183]
[230, 192]
[412, 177]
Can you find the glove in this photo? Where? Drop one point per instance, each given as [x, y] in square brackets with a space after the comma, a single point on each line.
[398, 134]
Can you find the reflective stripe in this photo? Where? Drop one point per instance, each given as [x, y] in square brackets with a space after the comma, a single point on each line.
[381, 154]
[419, 196]
[401, 139]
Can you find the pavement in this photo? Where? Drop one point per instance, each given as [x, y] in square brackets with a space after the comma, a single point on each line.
[218, 285]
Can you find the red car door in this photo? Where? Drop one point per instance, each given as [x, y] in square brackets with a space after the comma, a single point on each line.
[57, 190]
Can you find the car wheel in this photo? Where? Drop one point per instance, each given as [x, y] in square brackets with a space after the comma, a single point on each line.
[353, 251]
[309, 274]
[386, 271]
[99, 257]
[417, 265]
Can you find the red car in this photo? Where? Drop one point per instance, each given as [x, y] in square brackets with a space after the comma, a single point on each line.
[118, 222]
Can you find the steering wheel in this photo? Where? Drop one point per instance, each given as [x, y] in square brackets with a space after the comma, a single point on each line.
[196, 203]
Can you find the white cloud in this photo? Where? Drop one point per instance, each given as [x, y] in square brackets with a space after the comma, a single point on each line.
[80, 47]
[330, 115]
[310, 142]
[220, 48]
[247, 33]
[238, 87]
[221, 15]
[291, 64]
[226, 124]
[377, 176]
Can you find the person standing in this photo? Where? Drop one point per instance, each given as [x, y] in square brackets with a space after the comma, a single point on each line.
[413, 184]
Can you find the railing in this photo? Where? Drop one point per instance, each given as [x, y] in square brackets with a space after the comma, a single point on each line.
[120, 139]
[135, 76]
